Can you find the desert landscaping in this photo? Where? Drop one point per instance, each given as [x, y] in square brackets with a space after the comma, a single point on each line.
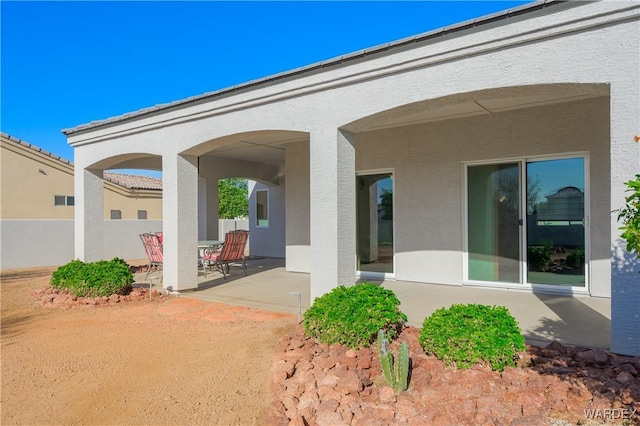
[170, 361]
[174, 360]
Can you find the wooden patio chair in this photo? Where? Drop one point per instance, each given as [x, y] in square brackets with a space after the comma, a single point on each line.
[153, 248]
[230, 254]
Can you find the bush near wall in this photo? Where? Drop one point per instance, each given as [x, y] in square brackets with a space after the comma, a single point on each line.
[95, 279]
[352, 316]
[465, 335]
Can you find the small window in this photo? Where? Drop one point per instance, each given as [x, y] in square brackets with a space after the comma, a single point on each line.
[59, 200]
[71, 200]
[142, 214]
[262, 208]
[116, 214]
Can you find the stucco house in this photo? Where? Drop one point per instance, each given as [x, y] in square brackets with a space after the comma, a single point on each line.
[37, 207]
[422, 160]
[37, 184]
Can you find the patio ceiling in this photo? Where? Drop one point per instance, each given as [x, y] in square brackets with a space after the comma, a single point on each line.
[425, 113]
[265, 148]
[268, 147]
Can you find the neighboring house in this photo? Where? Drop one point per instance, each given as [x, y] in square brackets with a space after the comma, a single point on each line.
[37, 204]
[450, 133]
[36, 184]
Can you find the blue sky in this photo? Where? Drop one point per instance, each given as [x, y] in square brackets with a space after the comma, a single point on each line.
[69, 63]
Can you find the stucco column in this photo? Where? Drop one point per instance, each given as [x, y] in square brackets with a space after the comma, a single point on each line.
[89, 214]
[625, 164]
[333, 203]
[180, 221]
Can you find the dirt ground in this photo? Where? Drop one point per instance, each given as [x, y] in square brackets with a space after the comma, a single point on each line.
[169, 361]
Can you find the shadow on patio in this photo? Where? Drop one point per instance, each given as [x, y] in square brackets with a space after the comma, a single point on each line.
[583, 321]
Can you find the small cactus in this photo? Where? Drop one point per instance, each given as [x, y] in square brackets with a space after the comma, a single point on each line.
[396, 376]
[402, 367]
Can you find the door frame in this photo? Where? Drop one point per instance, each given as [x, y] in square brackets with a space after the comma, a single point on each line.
[523, 284]
[378, 276]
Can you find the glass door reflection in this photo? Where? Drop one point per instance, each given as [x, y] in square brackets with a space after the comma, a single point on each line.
[555, 222]
[374, 206]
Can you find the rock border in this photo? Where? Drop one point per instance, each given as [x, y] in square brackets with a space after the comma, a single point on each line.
[317, 384]
[49, 297]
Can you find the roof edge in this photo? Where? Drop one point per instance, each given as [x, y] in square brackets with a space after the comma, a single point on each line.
[457, 27]
[70, 163]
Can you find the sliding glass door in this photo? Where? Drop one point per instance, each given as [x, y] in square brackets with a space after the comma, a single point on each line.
[526, 222]
[555, 222]
[374, 205]
[493, 228]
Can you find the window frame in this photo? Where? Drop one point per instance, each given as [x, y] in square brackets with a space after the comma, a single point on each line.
[523, 284]
[265, 223]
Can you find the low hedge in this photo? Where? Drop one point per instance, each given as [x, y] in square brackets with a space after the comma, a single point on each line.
[352, 316]
[102, 278]
[464, 335]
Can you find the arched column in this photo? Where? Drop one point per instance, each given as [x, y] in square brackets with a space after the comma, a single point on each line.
[625, 161]
[333, 222]
[89, 213]
[180, 221]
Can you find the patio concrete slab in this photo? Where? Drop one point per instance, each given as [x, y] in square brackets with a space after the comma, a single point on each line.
[578, 320]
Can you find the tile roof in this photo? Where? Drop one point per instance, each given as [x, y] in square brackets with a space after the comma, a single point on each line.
[124, 180]
[35, 148]
[430, 35]
[134, 181]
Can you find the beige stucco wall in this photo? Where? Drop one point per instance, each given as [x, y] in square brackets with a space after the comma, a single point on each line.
[130, 201]
[29, 180]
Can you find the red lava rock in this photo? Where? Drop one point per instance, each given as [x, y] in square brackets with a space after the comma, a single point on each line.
[62, 299]
[387, 394]
[329, 380]
[350, 353]
[329, 418]
[592, 356]
[325, 388]
[349, 383]
[624, 378]
[629, 368]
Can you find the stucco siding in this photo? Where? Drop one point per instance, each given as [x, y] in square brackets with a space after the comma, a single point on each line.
[298, 239]
[550, 82]
[29, 183]
[32, 243]
[428, 162]
[31, 180]
[268, 241]
[130, 202]
[502, 56]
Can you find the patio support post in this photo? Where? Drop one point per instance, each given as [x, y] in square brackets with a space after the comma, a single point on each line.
[180, 221]
[333, 221]
[89, 214]
[625, 157]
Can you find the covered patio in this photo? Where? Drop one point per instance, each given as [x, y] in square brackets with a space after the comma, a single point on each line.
[439, 159]
[580, 321]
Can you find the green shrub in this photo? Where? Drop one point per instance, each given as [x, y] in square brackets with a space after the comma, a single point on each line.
[464, 335]
[352, 316]
[102, 278]
[629, 215]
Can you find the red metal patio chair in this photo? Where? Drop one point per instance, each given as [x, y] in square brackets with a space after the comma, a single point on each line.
[230, 254]
[153, 248]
